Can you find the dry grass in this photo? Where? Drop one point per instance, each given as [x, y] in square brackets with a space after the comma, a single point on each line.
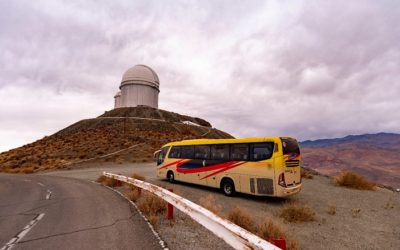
[210, 203]
[353, 180]
[151, 204]
[269, 230]
[109, 181]
[242, 218]
[134, 194]
[153, 219]
[306, 174]
[296, 212]
[28, 170]
[389, 204]
[356, 212]
[138, 177]
[293, 245]
[332, 210]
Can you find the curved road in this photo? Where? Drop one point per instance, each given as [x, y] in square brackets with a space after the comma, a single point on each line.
[51, 212]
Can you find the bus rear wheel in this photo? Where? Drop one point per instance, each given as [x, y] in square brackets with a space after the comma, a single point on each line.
[228, 187]
[171, 176]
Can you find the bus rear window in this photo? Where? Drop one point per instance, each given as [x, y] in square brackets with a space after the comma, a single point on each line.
[290, 146]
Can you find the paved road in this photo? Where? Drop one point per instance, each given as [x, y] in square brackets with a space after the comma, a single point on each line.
[51, 212]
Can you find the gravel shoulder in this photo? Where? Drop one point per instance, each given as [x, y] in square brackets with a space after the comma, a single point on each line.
[362, 219]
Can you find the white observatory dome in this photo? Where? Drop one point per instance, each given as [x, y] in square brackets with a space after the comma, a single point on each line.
[140, 86]
[141, 74]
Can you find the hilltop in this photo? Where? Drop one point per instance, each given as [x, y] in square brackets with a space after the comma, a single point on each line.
[128, 134]
[375, 156]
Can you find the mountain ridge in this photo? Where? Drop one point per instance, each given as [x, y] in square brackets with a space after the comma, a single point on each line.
[376, 156]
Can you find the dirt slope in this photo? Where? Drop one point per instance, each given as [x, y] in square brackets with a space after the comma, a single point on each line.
[115, 130]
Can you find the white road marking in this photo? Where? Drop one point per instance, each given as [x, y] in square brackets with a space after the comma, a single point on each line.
[14, 241]
[41, 184]
[48, 195]
[27, 180]
[160, 241]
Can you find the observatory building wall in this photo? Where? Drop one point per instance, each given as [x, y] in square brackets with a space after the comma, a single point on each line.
[134, 95]
[117, 100]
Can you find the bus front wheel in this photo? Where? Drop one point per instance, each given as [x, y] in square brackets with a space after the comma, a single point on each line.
[228, 187]
[170, 176]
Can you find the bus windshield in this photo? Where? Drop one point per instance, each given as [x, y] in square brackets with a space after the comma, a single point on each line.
[290, 146]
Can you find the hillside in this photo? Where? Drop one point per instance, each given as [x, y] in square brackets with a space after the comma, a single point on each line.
[115, 130]
[376, 156]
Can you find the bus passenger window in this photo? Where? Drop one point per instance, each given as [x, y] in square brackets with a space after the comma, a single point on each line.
[261, 151]
[175, 152]
[202, 152]
[220, 152]
[240, 152]
[187, 152]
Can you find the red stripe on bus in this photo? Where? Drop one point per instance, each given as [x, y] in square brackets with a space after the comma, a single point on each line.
[172, 163]
[224, 169]
[205, 169]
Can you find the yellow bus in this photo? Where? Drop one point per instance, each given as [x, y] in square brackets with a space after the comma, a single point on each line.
[259, 166]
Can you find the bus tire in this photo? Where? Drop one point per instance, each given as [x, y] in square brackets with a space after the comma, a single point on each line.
[171, 176]
[228, 187]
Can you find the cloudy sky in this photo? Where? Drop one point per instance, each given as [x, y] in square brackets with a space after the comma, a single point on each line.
[308, 69]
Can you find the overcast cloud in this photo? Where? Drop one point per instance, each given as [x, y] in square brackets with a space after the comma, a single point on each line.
[308, 69]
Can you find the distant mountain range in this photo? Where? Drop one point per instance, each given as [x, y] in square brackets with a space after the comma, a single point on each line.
[376, 156]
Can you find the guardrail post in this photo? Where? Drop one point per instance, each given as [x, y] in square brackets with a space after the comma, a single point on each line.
[281, 243]
[170, 208]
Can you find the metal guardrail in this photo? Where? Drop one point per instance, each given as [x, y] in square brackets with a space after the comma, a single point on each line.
[235, 236]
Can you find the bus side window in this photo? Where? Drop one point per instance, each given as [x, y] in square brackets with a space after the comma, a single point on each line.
[202, 152]
[220, 152]
[261, 151]
[175, 152]
[240, 152]
[187, 152]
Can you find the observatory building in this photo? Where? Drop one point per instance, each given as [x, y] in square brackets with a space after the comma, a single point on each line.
[117, 100]
[139, 86]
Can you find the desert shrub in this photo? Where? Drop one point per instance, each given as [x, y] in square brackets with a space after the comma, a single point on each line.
[268, 230]
[296, 212]
[353, 180]
[332, 210]
[109, 181]
[28, 170]
[134, 194]
[101, 179]
[210, 203]
[242, 218]
[293, 245]
[389, 204]
[153, 219]
[151, 204]
[356, 212]
[138, 177]
[306, 174]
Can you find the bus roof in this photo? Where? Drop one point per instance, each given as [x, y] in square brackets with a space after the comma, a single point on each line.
[223, 141]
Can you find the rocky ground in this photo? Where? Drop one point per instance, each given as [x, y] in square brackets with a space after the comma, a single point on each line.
[118, 130]
[344, 218]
